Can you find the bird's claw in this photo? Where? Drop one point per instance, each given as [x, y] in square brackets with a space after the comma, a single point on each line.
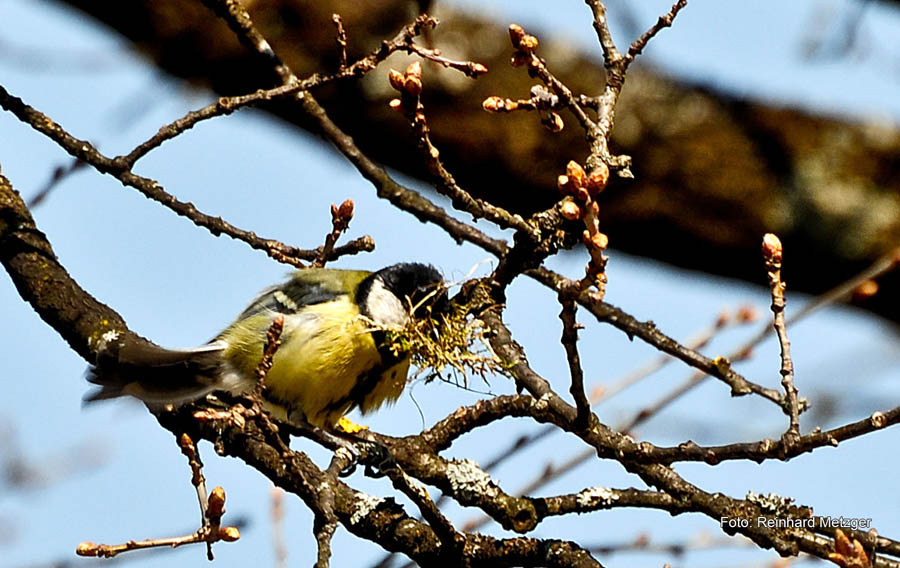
[351, 455]
[379, 460]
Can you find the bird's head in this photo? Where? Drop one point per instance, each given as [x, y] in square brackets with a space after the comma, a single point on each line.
[388, 296]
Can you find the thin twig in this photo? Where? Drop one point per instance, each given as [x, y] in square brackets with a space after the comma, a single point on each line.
[409, 85]
[701, 339]
[771, 449]
[570, 343]
[648, 412]
[772, 255]
[883, 265]
[238, 19]
[189, 449]
[120, 169]
[679, 549]
[280, 549]
[210, 532]
[538, 101]
[59, 174]
[273, 342]
[616, 66]
[401, 197]
[341, 40]
[388, 188]
[611, 443]
[111, 550]
[843, 291]
[340, 221]
[611, 55]
[525, 55]
[291, 85]
[664, 21]
[469, 68]
[215, 508]
[718, 367]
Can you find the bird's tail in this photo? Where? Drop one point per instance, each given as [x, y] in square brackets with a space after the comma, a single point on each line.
[158, 375]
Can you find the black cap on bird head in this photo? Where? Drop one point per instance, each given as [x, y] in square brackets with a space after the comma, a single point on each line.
[416, 285]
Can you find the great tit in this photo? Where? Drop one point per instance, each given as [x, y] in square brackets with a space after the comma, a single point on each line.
[333, 357]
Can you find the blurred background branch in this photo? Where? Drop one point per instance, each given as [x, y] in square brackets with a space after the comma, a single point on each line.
[712, 171]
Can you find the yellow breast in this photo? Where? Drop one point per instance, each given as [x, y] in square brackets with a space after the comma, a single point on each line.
[328, 362]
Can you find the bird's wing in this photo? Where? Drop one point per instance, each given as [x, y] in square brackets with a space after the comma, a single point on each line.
[305, 288]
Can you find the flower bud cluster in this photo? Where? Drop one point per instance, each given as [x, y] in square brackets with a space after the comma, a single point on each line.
[541, 99]
[580, 190]
[409, 85]
[342, 215]
[524, 45]
[499, 104]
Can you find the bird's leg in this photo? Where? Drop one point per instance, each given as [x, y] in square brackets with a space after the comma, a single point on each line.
[347, 436]
[335, 440]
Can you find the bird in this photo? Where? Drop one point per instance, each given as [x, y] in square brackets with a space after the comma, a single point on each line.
[333, 357]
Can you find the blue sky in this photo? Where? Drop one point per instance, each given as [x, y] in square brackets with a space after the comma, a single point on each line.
[177, 285]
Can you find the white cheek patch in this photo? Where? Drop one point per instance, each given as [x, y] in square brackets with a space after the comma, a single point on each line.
[384, 307]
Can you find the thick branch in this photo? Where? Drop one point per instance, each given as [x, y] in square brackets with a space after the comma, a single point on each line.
[85, 323]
